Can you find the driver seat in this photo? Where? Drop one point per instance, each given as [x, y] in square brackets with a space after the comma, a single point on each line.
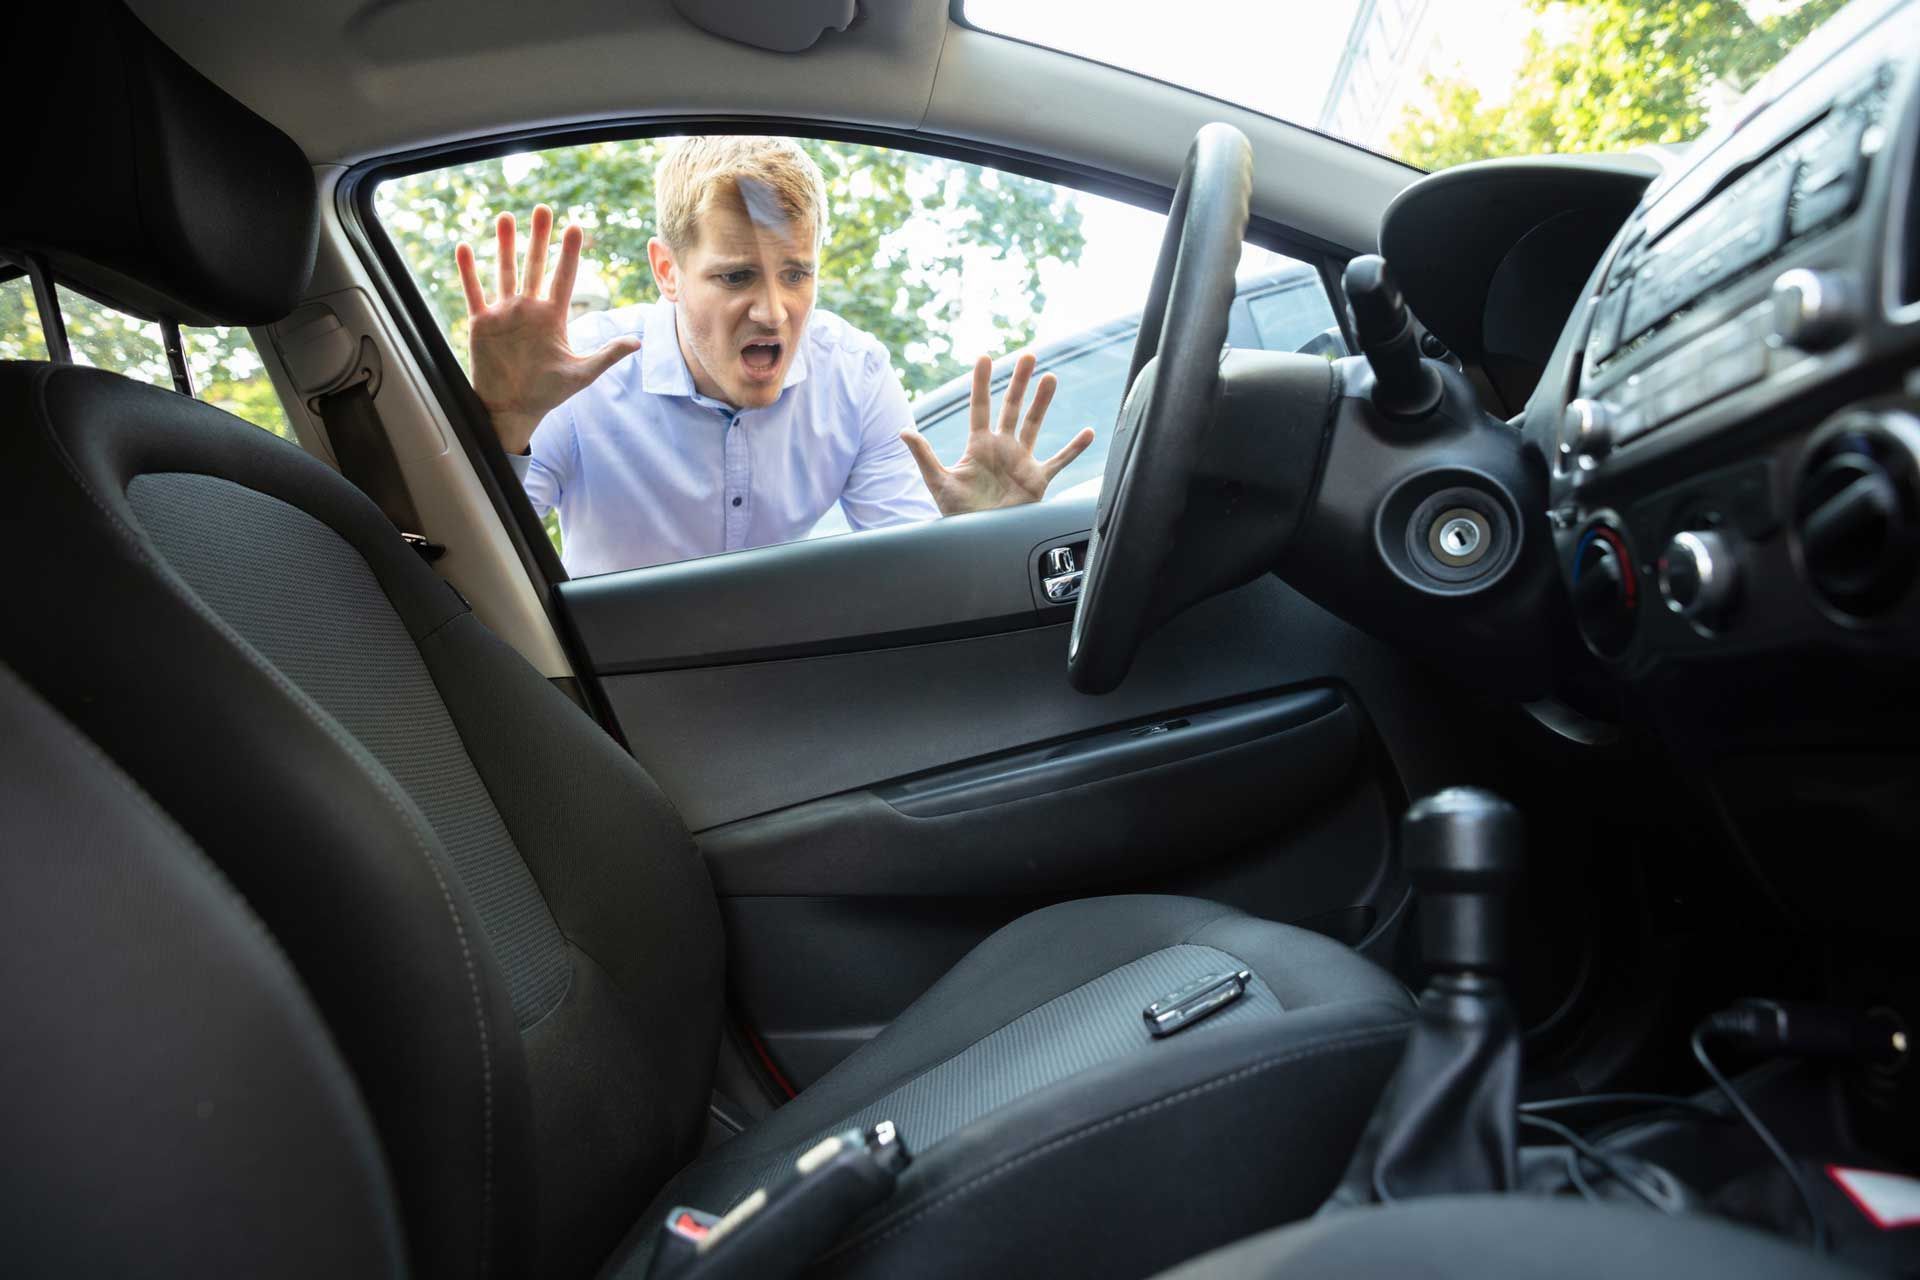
[502, 919]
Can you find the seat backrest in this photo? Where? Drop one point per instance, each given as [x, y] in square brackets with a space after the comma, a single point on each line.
[501, 918]
[171, 1101]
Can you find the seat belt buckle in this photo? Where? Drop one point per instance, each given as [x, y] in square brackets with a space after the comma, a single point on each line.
[428, 551]
[778, 1229]
[1186, 1005]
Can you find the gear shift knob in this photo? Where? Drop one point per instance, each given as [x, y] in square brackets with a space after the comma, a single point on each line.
[1463, 848]
[1447, 1124]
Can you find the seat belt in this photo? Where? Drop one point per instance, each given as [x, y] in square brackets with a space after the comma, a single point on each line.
[366, 457]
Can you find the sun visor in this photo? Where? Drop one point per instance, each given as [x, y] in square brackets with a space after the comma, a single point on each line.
[143, 183]
[782, 26]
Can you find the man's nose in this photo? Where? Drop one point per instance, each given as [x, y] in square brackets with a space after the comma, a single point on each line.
[769, 308]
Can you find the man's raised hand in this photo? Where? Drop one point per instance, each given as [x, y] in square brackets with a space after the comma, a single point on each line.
[997, 468]
[523, 366]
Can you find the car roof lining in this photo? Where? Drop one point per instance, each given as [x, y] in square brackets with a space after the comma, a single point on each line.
[378, 78]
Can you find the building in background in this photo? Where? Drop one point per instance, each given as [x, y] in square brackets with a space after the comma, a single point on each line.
[1389, 48]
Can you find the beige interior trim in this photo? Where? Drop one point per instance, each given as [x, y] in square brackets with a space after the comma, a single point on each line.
[480, 561]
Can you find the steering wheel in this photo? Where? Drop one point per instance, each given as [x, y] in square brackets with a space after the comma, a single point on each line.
[1163, 418]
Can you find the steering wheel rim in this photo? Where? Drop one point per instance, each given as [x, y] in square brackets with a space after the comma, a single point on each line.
[1163, 416]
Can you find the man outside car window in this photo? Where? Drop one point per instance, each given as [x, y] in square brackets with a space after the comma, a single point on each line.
[744, 413]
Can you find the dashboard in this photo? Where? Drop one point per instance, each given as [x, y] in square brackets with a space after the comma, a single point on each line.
[1731, 420]
[1713, 362]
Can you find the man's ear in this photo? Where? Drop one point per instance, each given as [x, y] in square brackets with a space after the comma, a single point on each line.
[666, 271]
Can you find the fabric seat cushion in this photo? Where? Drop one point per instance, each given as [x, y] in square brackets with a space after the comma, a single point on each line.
[1027, 1086]
[172, 1103]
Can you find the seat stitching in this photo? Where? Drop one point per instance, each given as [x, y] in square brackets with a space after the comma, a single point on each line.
[908, 1075]
[354, 751]
[967, 1188]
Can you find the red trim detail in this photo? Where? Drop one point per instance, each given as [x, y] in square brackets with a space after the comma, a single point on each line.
[1629, 576]
[766, 1060]
[1834, 1171]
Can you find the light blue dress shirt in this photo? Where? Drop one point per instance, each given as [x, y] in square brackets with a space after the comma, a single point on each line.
[645, 470]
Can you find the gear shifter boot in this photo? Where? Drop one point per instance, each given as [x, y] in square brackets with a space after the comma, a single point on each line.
[1447, 1123]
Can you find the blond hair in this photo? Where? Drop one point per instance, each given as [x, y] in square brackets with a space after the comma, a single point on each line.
[771, 178]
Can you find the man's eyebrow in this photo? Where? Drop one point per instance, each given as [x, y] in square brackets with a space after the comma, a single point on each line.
[726, 266]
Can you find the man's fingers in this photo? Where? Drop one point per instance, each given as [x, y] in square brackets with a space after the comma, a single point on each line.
[930, 469]
[470, 279]
[979, 405]
[503, 235]
[1042, 397]
[1016, 393]
[608, 356]
[1075, 447]
[537, 249]
[570, 241]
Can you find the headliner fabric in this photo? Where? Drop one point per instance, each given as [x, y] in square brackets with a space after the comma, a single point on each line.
[297, 592]
[1076, 1031]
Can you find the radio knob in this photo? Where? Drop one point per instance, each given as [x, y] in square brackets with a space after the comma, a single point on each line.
[1814, 310]
[1699, 576]
[1587, 430]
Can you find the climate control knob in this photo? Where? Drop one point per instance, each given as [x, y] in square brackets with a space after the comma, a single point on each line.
[1606, 591]
[1700, 577]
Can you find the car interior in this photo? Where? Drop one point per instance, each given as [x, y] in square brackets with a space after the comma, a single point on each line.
[1429, 810]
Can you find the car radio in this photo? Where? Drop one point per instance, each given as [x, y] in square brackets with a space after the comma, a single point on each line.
[1805, 185]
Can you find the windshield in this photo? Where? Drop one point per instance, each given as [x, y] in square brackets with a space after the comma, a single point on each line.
[1441, 82]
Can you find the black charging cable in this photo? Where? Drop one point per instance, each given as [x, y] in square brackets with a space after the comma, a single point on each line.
[1760, 1131]
[1578, 1147]
[1801, 1030]
[1660, 1100]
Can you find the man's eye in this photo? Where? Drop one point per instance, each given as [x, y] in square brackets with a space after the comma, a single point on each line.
[734, 279]
[797, 277]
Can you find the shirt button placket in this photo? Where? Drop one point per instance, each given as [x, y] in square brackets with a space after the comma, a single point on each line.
[739, 475]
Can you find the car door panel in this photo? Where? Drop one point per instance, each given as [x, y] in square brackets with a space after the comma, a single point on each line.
[1024, 824]
[873, 732]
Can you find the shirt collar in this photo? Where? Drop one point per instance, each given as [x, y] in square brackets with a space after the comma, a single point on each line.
[663, 370]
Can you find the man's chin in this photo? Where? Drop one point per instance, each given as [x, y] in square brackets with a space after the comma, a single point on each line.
[758, 393]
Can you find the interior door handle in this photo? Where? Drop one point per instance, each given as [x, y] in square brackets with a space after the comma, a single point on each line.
[1060, 575]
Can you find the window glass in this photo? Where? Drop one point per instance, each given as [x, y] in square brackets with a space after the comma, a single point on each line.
[112, 340]
[925, 264]
[226, 366]
[1442, 82]
[1289, 318]
[229, 374]
[20, 335]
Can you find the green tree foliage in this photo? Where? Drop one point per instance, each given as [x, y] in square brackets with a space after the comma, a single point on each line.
[1614, 74]
[903, 231]
[227, 371]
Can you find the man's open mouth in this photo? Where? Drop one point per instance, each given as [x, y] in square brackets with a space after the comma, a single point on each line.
[761, 357]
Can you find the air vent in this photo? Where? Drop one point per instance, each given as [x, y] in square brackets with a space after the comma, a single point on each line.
[1857, 512]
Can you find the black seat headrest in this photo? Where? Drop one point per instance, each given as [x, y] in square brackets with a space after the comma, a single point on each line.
[143, 183]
